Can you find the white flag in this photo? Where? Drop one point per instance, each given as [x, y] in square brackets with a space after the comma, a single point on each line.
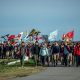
[53, 35]
[20, 35]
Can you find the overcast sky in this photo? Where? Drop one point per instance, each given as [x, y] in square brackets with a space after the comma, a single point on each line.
[45, 15]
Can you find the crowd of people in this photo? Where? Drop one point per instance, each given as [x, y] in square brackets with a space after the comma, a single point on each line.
[56, 53]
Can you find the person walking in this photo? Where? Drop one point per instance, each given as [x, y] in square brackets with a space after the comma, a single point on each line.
[77, 54]
[55, 53]
[1, 50]
[43, 54]
[49, 55]
[66, 52]
[36, 50]
[22, 53]
[4, 51]
[61, 55]
[70, 50]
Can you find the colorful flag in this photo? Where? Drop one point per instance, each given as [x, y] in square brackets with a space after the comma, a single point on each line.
[53, 35]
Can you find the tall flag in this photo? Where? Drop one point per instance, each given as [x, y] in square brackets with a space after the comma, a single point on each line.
[53, 35]
[70, 34]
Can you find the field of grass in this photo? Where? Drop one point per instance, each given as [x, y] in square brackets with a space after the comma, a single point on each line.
[13, 71]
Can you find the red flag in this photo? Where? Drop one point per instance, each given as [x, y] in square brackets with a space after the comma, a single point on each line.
[70, 34]
[11, 37]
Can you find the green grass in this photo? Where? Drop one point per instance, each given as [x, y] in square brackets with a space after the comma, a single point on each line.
[7, 71]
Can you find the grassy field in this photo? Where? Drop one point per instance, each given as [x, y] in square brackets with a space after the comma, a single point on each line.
[13, 71]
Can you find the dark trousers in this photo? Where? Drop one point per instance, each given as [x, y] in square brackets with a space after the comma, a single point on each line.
[43, 60]
[0, 55]
[3, 55]
[48, 60]
[77, 60]
[22, 60]
[65, 59]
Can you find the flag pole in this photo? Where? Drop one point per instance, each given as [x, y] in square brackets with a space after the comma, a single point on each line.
[73, 35]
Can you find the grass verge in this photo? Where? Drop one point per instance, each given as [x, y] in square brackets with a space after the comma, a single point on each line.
[13, 71]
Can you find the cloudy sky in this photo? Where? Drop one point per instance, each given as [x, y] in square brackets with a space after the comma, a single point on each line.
[45, 15]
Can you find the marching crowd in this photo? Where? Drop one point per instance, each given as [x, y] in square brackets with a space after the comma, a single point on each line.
[64, 53]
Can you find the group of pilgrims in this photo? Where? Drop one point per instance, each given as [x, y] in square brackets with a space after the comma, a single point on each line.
[44, 54]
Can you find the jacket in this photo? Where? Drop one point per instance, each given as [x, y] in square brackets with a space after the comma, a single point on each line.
[55, 49]
[43, 52]
[36, 50]
[77, 50]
